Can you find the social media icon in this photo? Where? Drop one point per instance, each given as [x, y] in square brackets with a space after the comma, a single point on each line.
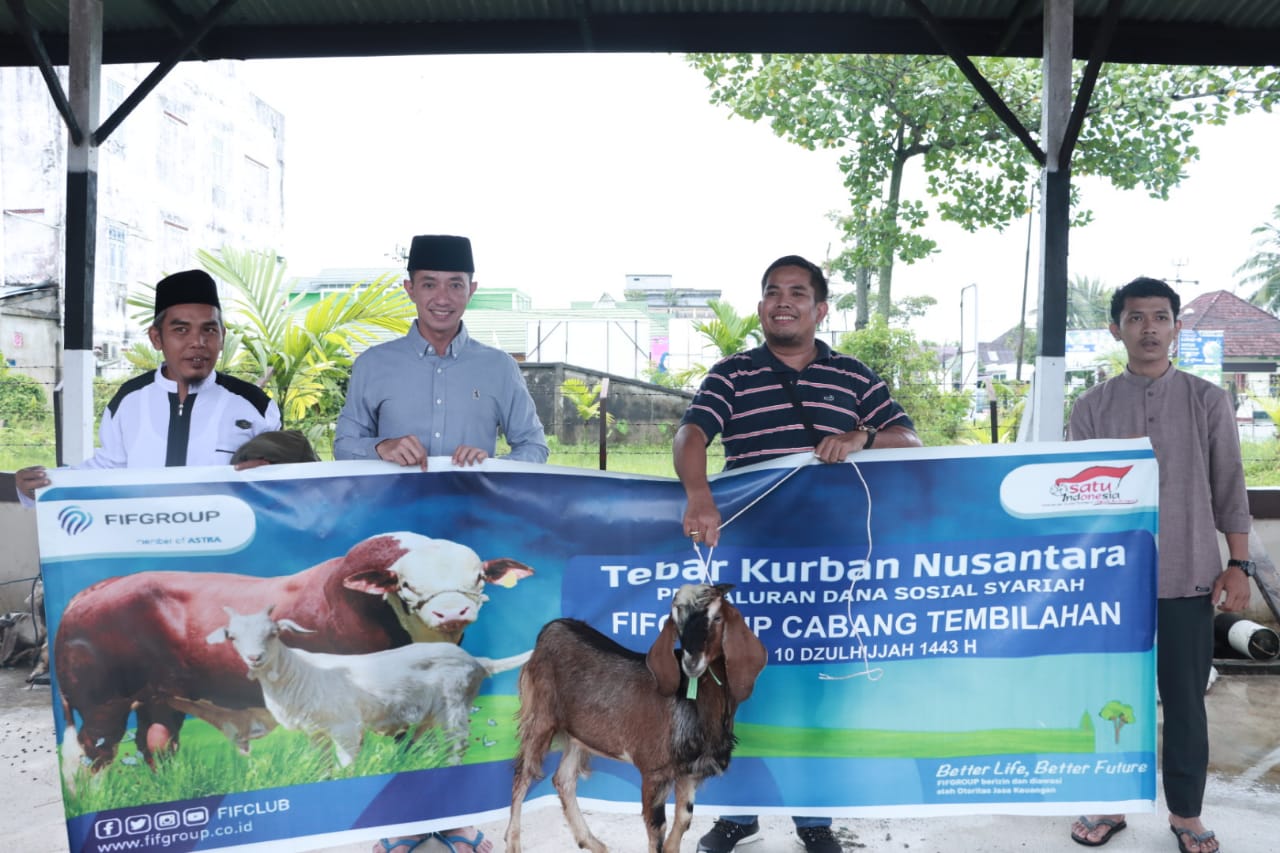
[137, 824]
[195, 816]
[108, 828]
[166, 820]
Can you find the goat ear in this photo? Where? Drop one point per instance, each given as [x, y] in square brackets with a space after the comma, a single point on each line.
[217, 635]
[290, 625]
[661, 660]
[744, 654]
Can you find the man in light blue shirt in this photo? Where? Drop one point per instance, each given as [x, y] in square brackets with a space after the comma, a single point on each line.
[436, 391]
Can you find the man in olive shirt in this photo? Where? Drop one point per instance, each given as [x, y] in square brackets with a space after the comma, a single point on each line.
[1192, 427]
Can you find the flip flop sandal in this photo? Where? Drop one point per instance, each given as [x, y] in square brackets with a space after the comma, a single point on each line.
[1113, 826]
[1198, 837]
[450, 840]
[409, 844]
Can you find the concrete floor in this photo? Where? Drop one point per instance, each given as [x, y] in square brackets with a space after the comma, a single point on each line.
[1242, 801]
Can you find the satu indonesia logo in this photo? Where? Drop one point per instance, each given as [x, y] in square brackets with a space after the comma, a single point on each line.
[74, 520]
[1097, 484]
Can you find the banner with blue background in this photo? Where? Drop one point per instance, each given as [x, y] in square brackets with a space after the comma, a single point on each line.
[950, 631]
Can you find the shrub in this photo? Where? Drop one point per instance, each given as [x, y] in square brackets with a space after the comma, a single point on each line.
[22, 400]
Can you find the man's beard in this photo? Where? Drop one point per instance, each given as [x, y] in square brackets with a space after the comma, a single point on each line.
[788, 339]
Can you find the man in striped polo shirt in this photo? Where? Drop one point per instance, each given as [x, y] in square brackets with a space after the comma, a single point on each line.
[791, 395]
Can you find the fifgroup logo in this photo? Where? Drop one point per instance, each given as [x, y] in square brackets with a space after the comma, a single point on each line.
[203, 524]
[74, 520]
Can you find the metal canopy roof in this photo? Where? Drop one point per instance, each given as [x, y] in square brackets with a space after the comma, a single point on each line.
[1210, 32]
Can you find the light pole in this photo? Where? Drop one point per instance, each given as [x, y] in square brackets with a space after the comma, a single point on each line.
[1026, 271]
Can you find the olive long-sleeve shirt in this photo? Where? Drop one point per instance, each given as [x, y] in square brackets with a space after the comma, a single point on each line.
[1192, 428]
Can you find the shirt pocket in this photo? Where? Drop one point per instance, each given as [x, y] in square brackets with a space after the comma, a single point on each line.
[231, 435]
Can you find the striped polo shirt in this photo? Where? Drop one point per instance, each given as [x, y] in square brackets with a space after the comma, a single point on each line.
[742, 398]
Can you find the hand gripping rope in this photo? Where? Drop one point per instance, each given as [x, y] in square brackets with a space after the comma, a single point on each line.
[872, 674]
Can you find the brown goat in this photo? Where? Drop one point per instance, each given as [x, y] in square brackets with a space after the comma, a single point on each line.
[601, 698]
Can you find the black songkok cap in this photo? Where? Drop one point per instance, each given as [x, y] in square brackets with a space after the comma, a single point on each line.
[441, 252]
[187, 287]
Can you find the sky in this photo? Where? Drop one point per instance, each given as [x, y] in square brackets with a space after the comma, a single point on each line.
[571, 172]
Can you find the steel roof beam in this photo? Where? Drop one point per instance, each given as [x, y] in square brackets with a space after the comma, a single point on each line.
[35, 46]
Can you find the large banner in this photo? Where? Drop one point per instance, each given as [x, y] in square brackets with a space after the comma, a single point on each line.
[298, 656]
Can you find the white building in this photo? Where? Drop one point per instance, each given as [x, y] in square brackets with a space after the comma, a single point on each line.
[198, 164]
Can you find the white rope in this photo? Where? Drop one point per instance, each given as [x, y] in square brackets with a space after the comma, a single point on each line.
[705, 563]
[871, 674]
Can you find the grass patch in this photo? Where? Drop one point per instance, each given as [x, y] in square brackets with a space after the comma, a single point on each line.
[26, 444]
[651, 459]
[1261, 462]
[207, 764]
[760, 741]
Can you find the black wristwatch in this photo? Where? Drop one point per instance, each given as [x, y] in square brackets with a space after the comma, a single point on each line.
[871, 434]
[1249, 567]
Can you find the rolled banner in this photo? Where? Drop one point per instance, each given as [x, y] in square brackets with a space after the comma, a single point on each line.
[1253, 641]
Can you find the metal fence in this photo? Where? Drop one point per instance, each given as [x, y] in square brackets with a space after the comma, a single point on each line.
[642, 419]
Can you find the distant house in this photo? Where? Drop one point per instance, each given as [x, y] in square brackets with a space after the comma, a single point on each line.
[996, 361]
[1250, 340]
[313, 288]
[659, 295]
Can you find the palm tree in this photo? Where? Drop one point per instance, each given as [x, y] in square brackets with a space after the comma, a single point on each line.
[1088, 304]
[729, 332]
[584, 398]
[1264, 267]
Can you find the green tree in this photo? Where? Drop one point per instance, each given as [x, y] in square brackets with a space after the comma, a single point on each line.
[729, 332]
[915, 378]
[910, 308]
[886, 111]
[584, 398]
[302, 358]
[1086, 722]
[1118, 714]
[1088, 303]
[1263, 269]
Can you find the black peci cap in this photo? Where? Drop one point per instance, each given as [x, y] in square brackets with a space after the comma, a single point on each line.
[441, 252]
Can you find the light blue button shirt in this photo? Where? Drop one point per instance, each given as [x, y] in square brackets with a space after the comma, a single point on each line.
[464, 396]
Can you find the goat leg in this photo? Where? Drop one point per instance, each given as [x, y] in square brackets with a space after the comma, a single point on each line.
[574, 762]
[455, 730]
[519, 788]
[535, 735]
[653, 799]
[686, 789]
